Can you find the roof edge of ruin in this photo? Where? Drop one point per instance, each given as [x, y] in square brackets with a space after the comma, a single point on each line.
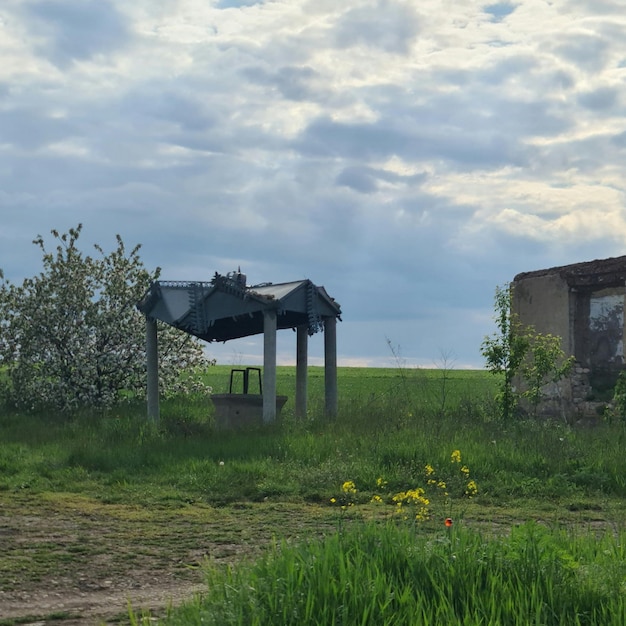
[597, 267]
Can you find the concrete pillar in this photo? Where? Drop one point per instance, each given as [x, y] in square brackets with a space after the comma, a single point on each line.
[330, 364]
[302, 347]
[269, 366]
[152, 365]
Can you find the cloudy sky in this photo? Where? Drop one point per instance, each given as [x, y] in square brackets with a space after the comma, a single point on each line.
[409, 156]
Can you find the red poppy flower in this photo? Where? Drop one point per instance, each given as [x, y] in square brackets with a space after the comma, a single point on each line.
[448, 522]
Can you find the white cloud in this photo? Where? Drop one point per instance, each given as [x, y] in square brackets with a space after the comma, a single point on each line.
[408, 156]
[578, 225]
[386, 25]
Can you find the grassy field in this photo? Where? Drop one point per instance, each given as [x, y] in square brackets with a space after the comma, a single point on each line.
[318, 521]
[430, 390]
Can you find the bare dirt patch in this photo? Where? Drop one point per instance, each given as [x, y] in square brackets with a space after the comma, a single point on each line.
[74, 608]
[81, 561]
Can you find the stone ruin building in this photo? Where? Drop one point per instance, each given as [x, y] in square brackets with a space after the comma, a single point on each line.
[582, 303]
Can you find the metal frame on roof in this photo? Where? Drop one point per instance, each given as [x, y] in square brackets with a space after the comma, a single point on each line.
[226, 308]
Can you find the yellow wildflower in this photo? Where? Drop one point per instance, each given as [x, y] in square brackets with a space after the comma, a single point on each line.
[417, 498]
[348, 487]
[456, 456]
[465, 470]
[422, 514]
[471, 489]
[429, 469]
[381, 483]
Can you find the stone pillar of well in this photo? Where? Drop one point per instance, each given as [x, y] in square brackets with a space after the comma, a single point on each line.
[302, 347]
[152, 365]
[269, 366]
[330, 365]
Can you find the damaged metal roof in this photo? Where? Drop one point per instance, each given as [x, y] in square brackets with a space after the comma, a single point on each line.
[226, 308]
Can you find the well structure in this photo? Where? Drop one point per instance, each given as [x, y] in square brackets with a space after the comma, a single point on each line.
[226, 308]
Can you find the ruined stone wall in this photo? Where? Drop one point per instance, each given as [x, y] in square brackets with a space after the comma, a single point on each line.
[544, 303]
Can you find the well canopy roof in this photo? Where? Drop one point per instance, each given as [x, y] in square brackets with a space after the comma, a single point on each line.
[226, 308]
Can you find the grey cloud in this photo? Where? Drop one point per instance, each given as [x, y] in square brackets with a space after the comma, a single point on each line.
[327, 137]
[48, 174]
[365, 179]
[475, 128]
[189, 112]
[392, 177]
[619, 140]
[499, 72]
[228, 138]
[559, 79]
[596, 6]
[294, 83]
[358, 178]
[236, 4]
[168, 105]
[521, 67]
[76, 30]
[128, 126]
[479, 110]
[371, 141]
[30, 129]
[390, 266]
[390, 26]
[528, 118]
[599, 99]
[587, 156]
[515, 68]
[589, 52]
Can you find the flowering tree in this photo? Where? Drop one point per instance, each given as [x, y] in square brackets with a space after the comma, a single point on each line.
[72, 336]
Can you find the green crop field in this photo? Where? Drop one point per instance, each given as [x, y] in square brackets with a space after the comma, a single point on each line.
[424, 389]
[315, 520]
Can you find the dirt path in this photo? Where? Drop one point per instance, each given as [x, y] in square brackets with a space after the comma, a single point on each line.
[81, 561]
[91, 607]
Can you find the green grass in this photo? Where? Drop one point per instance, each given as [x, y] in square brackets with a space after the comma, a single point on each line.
[390, 574]
[152, 491]
[388, 427]
[120, 456]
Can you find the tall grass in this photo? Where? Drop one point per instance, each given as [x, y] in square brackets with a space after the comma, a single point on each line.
[391, 575]
[392, 434]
